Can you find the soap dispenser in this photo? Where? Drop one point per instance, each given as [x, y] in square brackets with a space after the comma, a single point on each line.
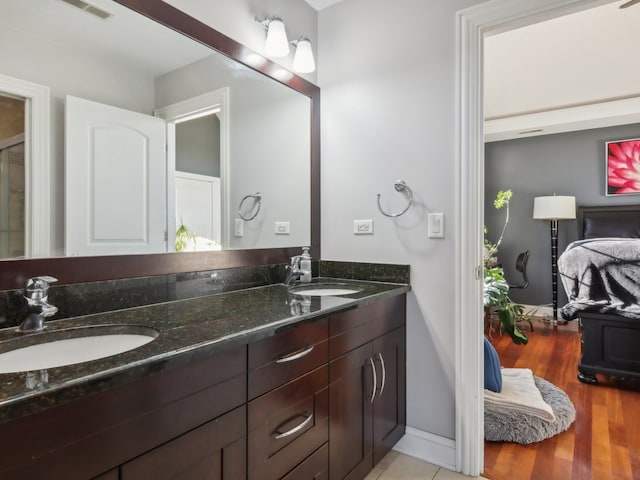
[305, 265]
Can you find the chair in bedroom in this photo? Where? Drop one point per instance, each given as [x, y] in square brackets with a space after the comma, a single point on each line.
[521, 266]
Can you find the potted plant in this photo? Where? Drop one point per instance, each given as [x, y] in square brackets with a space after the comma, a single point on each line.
[496, 297]
[496, 288]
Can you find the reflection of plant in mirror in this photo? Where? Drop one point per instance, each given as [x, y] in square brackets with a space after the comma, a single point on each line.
[490, 249]
[183, 238]
[496, 296]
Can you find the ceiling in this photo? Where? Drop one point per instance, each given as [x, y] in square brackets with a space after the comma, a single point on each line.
[581, 66]
[321, 4]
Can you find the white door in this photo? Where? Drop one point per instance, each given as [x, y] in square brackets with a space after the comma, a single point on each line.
[115, 180]
[198, 208]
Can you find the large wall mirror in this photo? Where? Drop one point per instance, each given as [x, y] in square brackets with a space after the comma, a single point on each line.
[145, 134]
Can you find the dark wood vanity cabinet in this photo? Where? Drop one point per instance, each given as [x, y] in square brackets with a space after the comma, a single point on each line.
[367, 391]
[325, 399]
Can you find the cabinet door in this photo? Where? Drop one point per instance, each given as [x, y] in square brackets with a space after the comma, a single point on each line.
[389, 409]
[214, 451]
[350, 432]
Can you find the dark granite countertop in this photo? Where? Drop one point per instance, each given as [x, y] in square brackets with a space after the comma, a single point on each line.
[187, 330]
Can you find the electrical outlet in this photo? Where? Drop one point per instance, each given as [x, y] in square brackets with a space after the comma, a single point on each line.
[435, 227]
[282, 228]
[363, 227]
[239, 232]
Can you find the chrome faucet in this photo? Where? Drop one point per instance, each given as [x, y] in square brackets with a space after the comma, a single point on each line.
[36, 292]
[294, 272]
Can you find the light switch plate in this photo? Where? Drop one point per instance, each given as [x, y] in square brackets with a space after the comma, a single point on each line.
[239, 230]
[435, 227]
[363, 227]
[282, 228]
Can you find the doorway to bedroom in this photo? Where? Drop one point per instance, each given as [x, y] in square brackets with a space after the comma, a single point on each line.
[525, 155]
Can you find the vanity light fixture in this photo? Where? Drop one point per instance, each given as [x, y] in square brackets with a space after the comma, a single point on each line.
[303, 61]
[277, 44]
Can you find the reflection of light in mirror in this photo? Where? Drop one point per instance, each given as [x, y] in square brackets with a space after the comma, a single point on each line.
[282, 74]
[255, 60]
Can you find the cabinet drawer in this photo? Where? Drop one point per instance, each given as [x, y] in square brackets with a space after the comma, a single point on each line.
[287, 355]
[316, 467]
[213, 451]
[287, 424]
[350, 329]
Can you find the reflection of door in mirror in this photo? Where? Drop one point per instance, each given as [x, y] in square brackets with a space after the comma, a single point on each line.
[198, 164]
[115, 180]
[12, 178]
[198, 207]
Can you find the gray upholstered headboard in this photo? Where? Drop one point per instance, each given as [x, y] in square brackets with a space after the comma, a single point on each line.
[611, 221]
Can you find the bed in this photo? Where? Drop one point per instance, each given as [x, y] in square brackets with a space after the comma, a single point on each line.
[601, 276]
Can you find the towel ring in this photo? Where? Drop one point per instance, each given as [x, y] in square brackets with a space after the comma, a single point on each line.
[257, 199]
[400, 186]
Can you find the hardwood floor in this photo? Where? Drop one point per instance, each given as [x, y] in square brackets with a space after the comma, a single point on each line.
[604, 441]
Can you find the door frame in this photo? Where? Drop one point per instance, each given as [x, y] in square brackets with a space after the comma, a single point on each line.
[472, 25]
[37, 168]
[215, 101]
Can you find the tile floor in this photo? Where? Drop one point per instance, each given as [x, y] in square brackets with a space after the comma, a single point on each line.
[396, 466]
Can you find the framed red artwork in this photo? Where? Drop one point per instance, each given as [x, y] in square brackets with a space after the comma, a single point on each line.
[623, 167]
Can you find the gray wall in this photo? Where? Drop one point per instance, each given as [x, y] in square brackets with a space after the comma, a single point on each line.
[198, 146]
[566, 164]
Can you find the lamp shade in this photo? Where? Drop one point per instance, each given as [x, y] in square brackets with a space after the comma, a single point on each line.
[277, 44]
[554, 207]
[303, 61]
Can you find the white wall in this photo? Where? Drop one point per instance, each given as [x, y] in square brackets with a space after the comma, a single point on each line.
[388, 105]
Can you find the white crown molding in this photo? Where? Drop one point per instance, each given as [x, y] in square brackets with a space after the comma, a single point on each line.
[584, 117]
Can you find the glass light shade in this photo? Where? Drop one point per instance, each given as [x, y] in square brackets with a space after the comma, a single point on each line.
[554, 207]
[303, 61]
[277, 44]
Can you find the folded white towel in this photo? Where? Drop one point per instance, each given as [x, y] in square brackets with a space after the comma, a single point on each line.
[520, 394]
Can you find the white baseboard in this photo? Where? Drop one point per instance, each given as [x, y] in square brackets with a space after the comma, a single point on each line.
[426, 446]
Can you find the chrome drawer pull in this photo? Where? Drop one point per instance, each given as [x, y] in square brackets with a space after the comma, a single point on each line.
[295, 355]
[375, 381]
[384, 374]
[295, 429]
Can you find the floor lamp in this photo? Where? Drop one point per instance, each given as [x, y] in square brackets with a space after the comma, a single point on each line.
[554, 208]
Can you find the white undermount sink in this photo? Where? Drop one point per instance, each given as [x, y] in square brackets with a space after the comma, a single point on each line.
[323, 289]
[69, 347]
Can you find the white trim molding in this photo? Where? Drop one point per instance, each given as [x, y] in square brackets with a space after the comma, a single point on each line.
[426, 446]
[472, 25]
[37, 163]
[570, 119]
